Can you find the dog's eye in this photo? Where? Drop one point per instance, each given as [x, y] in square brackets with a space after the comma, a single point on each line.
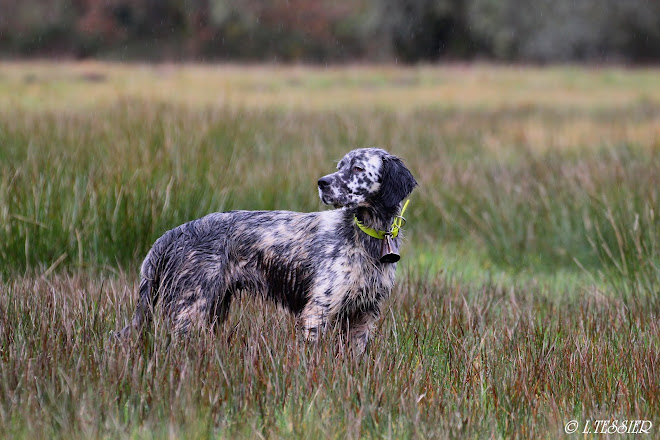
[358, 169]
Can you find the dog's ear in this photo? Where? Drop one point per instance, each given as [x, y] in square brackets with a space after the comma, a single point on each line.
[397, 181]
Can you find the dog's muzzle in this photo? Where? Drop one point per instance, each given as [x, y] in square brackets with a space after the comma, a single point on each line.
[325, 192]
[324, 182]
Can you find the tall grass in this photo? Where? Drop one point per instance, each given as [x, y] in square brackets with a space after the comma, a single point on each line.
[78, 190]
[449, 360]
[528, 295]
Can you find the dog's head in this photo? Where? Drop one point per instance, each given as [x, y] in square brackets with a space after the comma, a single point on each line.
[367, 177]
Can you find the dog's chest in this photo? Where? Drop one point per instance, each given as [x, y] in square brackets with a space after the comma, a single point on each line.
[354, 281]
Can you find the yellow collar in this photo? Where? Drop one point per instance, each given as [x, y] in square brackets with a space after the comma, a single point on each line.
[399, 221]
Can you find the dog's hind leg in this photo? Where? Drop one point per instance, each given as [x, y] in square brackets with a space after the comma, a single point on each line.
[200, 303]
[220, 309]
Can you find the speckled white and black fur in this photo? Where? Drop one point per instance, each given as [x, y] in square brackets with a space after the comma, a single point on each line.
[318, 265]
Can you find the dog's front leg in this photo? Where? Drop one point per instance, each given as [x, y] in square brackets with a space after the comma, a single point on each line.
[313, 320]
[360, 327]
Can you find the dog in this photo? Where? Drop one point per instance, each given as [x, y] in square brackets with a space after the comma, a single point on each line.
[328, 268]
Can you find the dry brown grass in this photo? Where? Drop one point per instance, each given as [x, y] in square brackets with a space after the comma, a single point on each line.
[449, 360]
[68, 85]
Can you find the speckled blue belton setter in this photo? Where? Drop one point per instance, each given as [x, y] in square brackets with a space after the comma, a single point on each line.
[329, 268]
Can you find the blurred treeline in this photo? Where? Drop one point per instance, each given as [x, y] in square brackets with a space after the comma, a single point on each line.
[334, 31]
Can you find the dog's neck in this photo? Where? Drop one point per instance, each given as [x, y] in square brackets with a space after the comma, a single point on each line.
[379, 218]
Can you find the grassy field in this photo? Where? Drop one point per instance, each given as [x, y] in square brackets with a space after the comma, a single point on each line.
[528, 294]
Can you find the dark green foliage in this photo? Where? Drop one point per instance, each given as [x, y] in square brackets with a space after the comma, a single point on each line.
[324, 31]
[567, 30]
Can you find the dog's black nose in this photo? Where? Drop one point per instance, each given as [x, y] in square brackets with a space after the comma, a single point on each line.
[324, 182]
